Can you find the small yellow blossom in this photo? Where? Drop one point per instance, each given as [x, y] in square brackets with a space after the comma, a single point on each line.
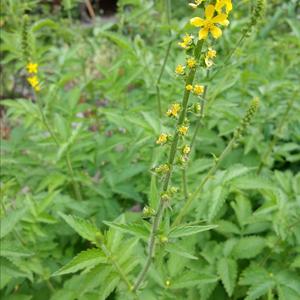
[174, 110]
[208, 24]
[191, 62]
[210, 54]
[34, 82]
[186, 41]
[179, 70]
[198, 89]
[162, 139]
[196, 3]
[186, 149]
[32, 68]
[162, 168]
[168, 283]
[183, 130]
[224, 3]
[189, 87]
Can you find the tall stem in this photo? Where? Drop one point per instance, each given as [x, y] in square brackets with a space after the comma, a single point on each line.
[68, 160]
[172, 154]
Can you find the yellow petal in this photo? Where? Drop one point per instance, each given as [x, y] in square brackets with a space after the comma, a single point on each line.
[228, 6]
[203, 33]
[209, 11]
[197, 22]
[220, 19]
[216, 32]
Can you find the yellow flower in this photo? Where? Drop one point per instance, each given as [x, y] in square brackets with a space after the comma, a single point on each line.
[208, 25]
[32, 68]
[162, 139]
[198, 89]
[224, 3]
[186, 41]
[210, 54]
[179, 70]
[162, 168]
[173, 110]
[191, 62]
[183, 130]
[196, 3]
[186, 149]
[34, 82]
[189, 87]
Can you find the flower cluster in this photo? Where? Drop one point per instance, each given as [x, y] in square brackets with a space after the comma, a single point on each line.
[33, 80]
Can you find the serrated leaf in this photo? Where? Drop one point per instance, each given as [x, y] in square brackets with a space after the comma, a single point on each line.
[85, 259]
[186, 230]
[83, 227]
[227, 269]
[9, 221]
[253, 275]
[190, 279]
[174, 248]
[138, 230]
[251, 182]
[249, 247]
[259, 290]
[218, 198]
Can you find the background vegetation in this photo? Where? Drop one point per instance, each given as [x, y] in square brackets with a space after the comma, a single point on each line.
[99, 96]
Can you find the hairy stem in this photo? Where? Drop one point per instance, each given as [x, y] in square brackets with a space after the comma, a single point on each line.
[172, 154]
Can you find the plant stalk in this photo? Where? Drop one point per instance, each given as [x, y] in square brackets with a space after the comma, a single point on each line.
[172, 154]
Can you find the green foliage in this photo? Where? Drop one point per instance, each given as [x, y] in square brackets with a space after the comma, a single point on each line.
[78, 159]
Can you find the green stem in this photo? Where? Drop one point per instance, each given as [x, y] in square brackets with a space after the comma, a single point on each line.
[275, 138]
[74, 182]
[211, 172]
[185, 185]
[173, 150]
[117, 267]
[68, 160]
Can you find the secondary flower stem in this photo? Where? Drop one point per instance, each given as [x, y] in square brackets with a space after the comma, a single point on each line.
[211, 172]
[172, 154]
[117, 267]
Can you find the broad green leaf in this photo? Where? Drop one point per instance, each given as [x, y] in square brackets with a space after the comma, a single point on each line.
[138, 230]
[191, 279]
[218, 195]
[174, 248]
[9, 221]
[83, 227]
[227, 269]
[260, 289]
[85, 259]
[249, 247]
[186, 230]
[254, 275]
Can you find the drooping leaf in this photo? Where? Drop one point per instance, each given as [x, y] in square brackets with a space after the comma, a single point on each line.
[83, 227]
[227, 269]
[85, 259]
[186, 230]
